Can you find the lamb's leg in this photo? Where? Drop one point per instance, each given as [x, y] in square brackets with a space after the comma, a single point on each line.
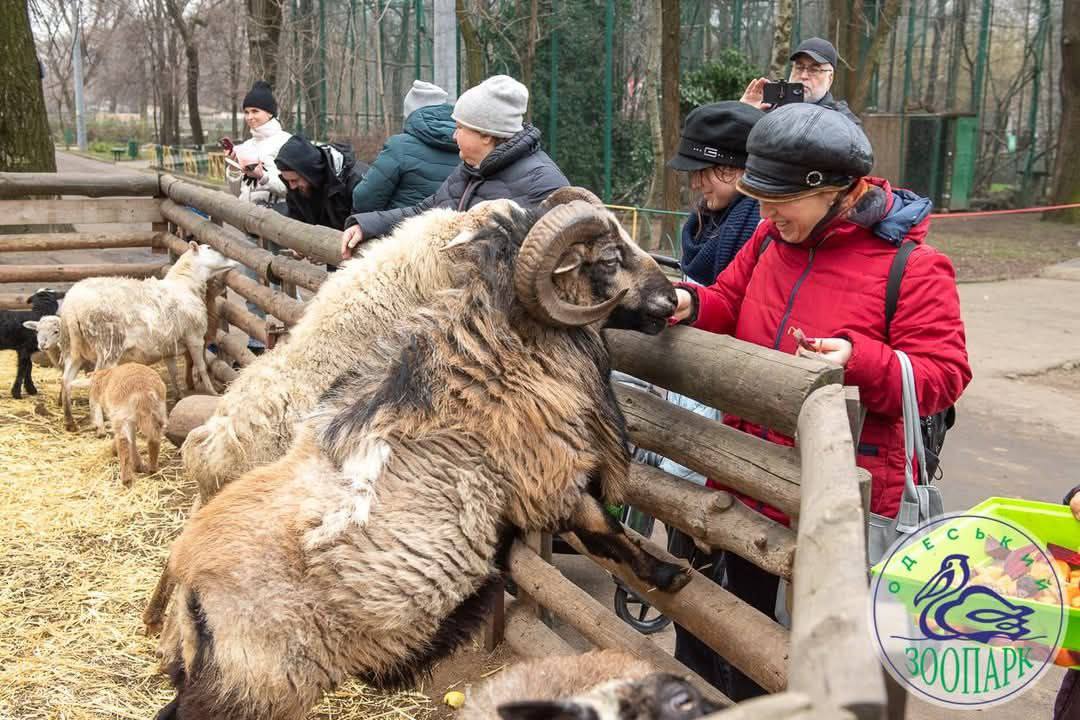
[16, 389]
[174, 378]
[198, 361]
[153, 447]
[28, 379]
[603, 535]
[97, 416]
[71, 369]
[126, 451]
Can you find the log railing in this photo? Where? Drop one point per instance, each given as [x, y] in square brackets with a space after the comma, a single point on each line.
[823, 666]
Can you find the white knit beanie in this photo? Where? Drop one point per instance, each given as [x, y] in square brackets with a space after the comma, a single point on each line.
[422, 94]
[494, 107]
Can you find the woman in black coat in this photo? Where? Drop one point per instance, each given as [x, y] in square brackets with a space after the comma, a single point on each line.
[501, 159]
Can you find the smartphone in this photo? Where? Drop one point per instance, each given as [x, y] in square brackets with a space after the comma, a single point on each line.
[782, 93]
[226, 144]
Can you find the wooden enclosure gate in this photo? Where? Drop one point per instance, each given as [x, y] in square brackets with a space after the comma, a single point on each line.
[824, 667]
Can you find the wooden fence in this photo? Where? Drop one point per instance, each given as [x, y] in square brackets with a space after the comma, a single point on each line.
[825, 666]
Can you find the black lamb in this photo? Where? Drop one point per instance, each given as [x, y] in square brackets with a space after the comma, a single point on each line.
[13, 336]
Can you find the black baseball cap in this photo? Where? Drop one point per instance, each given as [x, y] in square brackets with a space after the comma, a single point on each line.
[819, 49]
[715, 134]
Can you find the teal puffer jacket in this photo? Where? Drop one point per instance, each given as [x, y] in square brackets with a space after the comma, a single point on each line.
[412, 165]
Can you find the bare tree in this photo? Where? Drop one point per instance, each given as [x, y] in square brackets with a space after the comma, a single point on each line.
[781, 38]
[884, 27]
[265, 18]
[25, 144]
[186, 29]
[1067, 173]
[669, 72]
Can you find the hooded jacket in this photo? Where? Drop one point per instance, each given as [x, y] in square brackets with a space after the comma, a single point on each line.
[264, 143]
[833, 285]
[412, 165]
[332, 174]
[515, 170]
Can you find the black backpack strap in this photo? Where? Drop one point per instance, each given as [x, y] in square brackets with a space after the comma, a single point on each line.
[892, 289]
[764, 246]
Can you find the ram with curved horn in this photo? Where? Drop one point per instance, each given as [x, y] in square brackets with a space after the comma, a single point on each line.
[371, 547]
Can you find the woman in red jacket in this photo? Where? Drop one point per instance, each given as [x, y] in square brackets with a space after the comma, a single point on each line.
[819, 262]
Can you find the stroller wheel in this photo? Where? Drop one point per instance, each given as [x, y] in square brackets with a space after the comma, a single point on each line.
[637, 613]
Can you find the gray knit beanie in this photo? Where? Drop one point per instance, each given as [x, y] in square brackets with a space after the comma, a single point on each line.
[423, 94]
[494, 107]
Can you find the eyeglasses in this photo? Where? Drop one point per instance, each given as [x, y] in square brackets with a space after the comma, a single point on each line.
[811, 70]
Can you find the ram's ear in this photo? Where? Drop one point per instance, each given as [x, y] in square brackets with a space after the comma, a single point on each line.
[546, 710]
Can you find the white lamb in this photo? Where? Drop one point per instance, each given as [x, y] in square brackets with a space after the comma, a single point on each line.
[107, 321]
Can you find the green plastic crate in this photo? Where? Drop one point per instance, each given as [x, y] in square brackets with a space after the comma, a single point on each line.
[1046, 522]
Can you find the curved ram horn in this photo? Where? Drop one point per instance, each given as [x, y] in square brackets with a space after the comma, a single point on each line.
[568, 194]
[549, 238]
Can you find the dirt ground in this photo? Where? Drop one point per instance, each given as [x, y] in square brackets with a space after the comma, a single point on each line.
[1002, 247]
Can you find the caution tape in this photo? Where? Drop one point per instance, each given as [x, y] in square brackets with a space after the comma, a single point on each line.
[1014, 211]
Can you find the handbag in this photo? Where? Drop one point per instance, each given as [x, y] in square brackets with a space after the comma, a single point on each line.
[921, 502]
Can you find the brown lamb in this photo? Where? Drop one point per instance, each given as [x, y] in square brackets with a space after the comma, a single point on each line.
[133, 397]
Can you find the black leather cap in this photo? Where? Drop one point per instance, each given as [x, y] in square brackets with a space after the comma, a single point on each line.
[802, 149]
[820, 50]
[715, 134]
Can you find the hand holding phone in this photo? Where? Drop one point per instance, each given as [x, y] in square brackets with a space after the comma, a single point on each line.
[782, 93]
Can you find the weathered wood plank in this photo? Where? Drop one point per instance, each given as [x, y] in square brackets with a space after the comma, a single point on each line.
[321, 244]
[19, 301]
[49, 242]
[277, 304]
[831, 593]
[21, 185]
[714, 616]
[239, 316]
[108, 210]
[598, 624]
[715, 517]
[528, 636]
[761, 469]
[760, 384]
[73, 273]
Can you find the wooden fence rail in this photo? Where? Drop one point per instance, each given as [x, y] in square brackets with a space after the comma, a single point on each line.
[49, 242]
[19, 186]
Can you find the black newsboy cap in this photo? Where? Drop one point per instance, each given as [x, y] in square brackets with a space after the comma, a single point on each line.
[715, 134]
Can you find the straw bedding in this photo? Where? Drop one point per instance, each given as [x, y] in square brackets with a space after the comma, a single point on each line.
[79, 556]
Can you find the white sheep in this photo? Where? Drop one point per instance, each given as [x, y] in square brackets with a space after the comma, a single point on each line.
[48, 336]
[109, 320]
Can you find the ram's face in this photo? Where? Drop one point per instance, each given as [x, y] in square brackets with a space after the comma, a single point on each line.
[578, 266]
[654, 697]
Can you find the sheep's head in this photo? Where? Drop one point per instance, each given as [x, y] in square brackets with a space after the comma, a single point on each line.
[578, 266]
[655, 697]
[208, 260]
[47, 329]
[44, 301]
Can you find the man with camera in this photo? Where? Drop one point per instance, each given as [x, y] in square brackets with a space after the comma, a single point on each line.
[813, 65]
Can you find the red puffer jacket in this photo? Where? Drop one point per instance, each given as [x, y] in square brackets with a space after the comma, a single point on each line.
[834, 286]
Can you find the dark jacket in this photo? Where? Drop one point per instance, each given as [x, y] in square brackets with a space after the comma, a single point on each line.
[839, 106]
[711, 239]
[834, 286]
[516, 170]
[331, 171]
[412, 165]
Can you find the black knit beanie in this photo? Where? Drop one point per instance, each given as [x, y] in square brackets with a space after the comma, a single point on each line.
[262, 97]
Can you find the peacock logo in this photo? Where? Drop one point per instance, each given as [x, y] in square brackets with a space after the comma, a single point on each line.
[967, 611]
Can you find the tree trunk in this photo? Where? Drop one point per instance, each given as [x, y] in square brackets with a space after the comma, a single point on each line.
[839, 31]
[781, 38]
[474, 52]
[955, 53]
[264, 35]
[25, 144]
[1067, 174]
[858, 99]
[309, 67]
[935, 54]
[652, 101]
[191, 54]
[530, 53]
[672, 119]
